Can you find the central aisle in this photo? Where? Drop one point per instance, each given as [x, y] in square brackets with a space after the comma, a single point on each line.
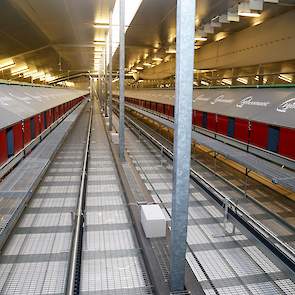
[112, 262]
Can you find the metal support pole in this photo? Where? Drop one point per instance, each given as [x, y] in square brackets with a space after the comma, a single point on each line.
[91, 87]
[185, 33]
[122, 77]
[105, 82]
[100, 92]
[110, 71]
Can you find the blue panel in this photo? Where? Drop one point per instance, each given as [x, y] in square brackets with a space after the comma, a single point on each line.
[32, 127]
[231, 127]
[273, 138]
[45, 120]
[10, 142]
[204, 120]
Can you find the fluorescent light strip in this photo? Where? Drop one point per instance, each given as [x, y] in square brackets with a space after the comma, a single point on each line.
[249, 14]
[227, 81]
[20, 70]
[101, 26]
[131, 7]
[204, 83]
[6, 66]
[29, 74]
[171, 51]
[242, 80]
[286, 78]
[201, 39]
[99, 42]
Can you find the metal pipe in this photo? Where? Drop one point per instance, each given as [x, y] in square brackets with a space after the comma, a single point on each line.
[122, 76]
[185, 32]
[105, 81]
[76, 238]
[110, 70]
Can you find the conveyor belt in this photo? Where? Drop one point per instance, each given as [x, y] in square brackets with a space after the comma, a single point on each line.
[35, 257]
[112, 262]
[233, 261]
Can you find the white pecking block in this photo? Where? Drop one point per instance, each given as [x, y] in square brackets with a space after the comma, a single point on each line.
[153, 221]
[115, 137]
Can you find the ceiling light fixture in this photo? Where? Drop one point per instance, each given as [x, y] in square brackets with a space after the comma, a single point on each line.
[7, 65]
[99, 42]
[30, 73]
[101, 26]
[204, 83]
[227, 81]
[139, 68]
[249, 14]
[19, 70]
[171, 51]
[243, 80]
[201, 38]
[286, 78]
[157, 59]
[131, 7]
[146, 64]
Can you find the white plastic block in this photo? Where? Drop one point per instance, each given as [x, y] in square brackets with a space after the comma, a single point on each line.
[115, 137]
[153, 221]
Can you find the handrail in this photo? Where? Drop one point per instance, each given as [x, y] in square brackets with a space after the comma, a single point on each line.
[79, 219]
[225, 199]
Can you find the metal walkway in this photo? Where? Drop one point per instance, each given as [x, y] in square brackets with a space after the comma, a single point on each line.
[16, 189]
[112, 262]
[271, 209]
[35, 258]
[226, 260]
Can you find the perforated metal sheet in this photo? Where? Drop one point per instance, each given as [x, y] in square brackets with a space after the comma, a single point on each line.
[223, 260]
[111, 261]
[35, 257]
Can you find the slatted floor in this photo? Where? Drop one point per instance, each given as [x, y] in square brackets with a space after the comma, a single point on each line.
[112, 262]
[35, 258]
[263, 199]
[225, 260]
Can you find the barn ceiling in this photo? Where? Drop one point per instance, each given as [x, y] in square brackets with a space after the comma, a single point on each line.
[56, 36]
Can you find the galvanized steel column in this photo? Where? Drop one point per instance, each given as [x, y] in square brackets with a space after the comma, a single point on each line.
[122, 77]
[185, 34]
[105, 80]
[110, 71]
[100, 92]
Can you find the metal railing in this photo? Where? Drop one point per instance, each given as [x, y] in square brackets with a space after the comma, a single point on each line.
[73, 274]
[282, 249]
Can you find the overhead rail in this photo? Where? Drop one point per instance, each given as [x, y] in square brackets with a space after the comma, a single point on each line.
[277, 246]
